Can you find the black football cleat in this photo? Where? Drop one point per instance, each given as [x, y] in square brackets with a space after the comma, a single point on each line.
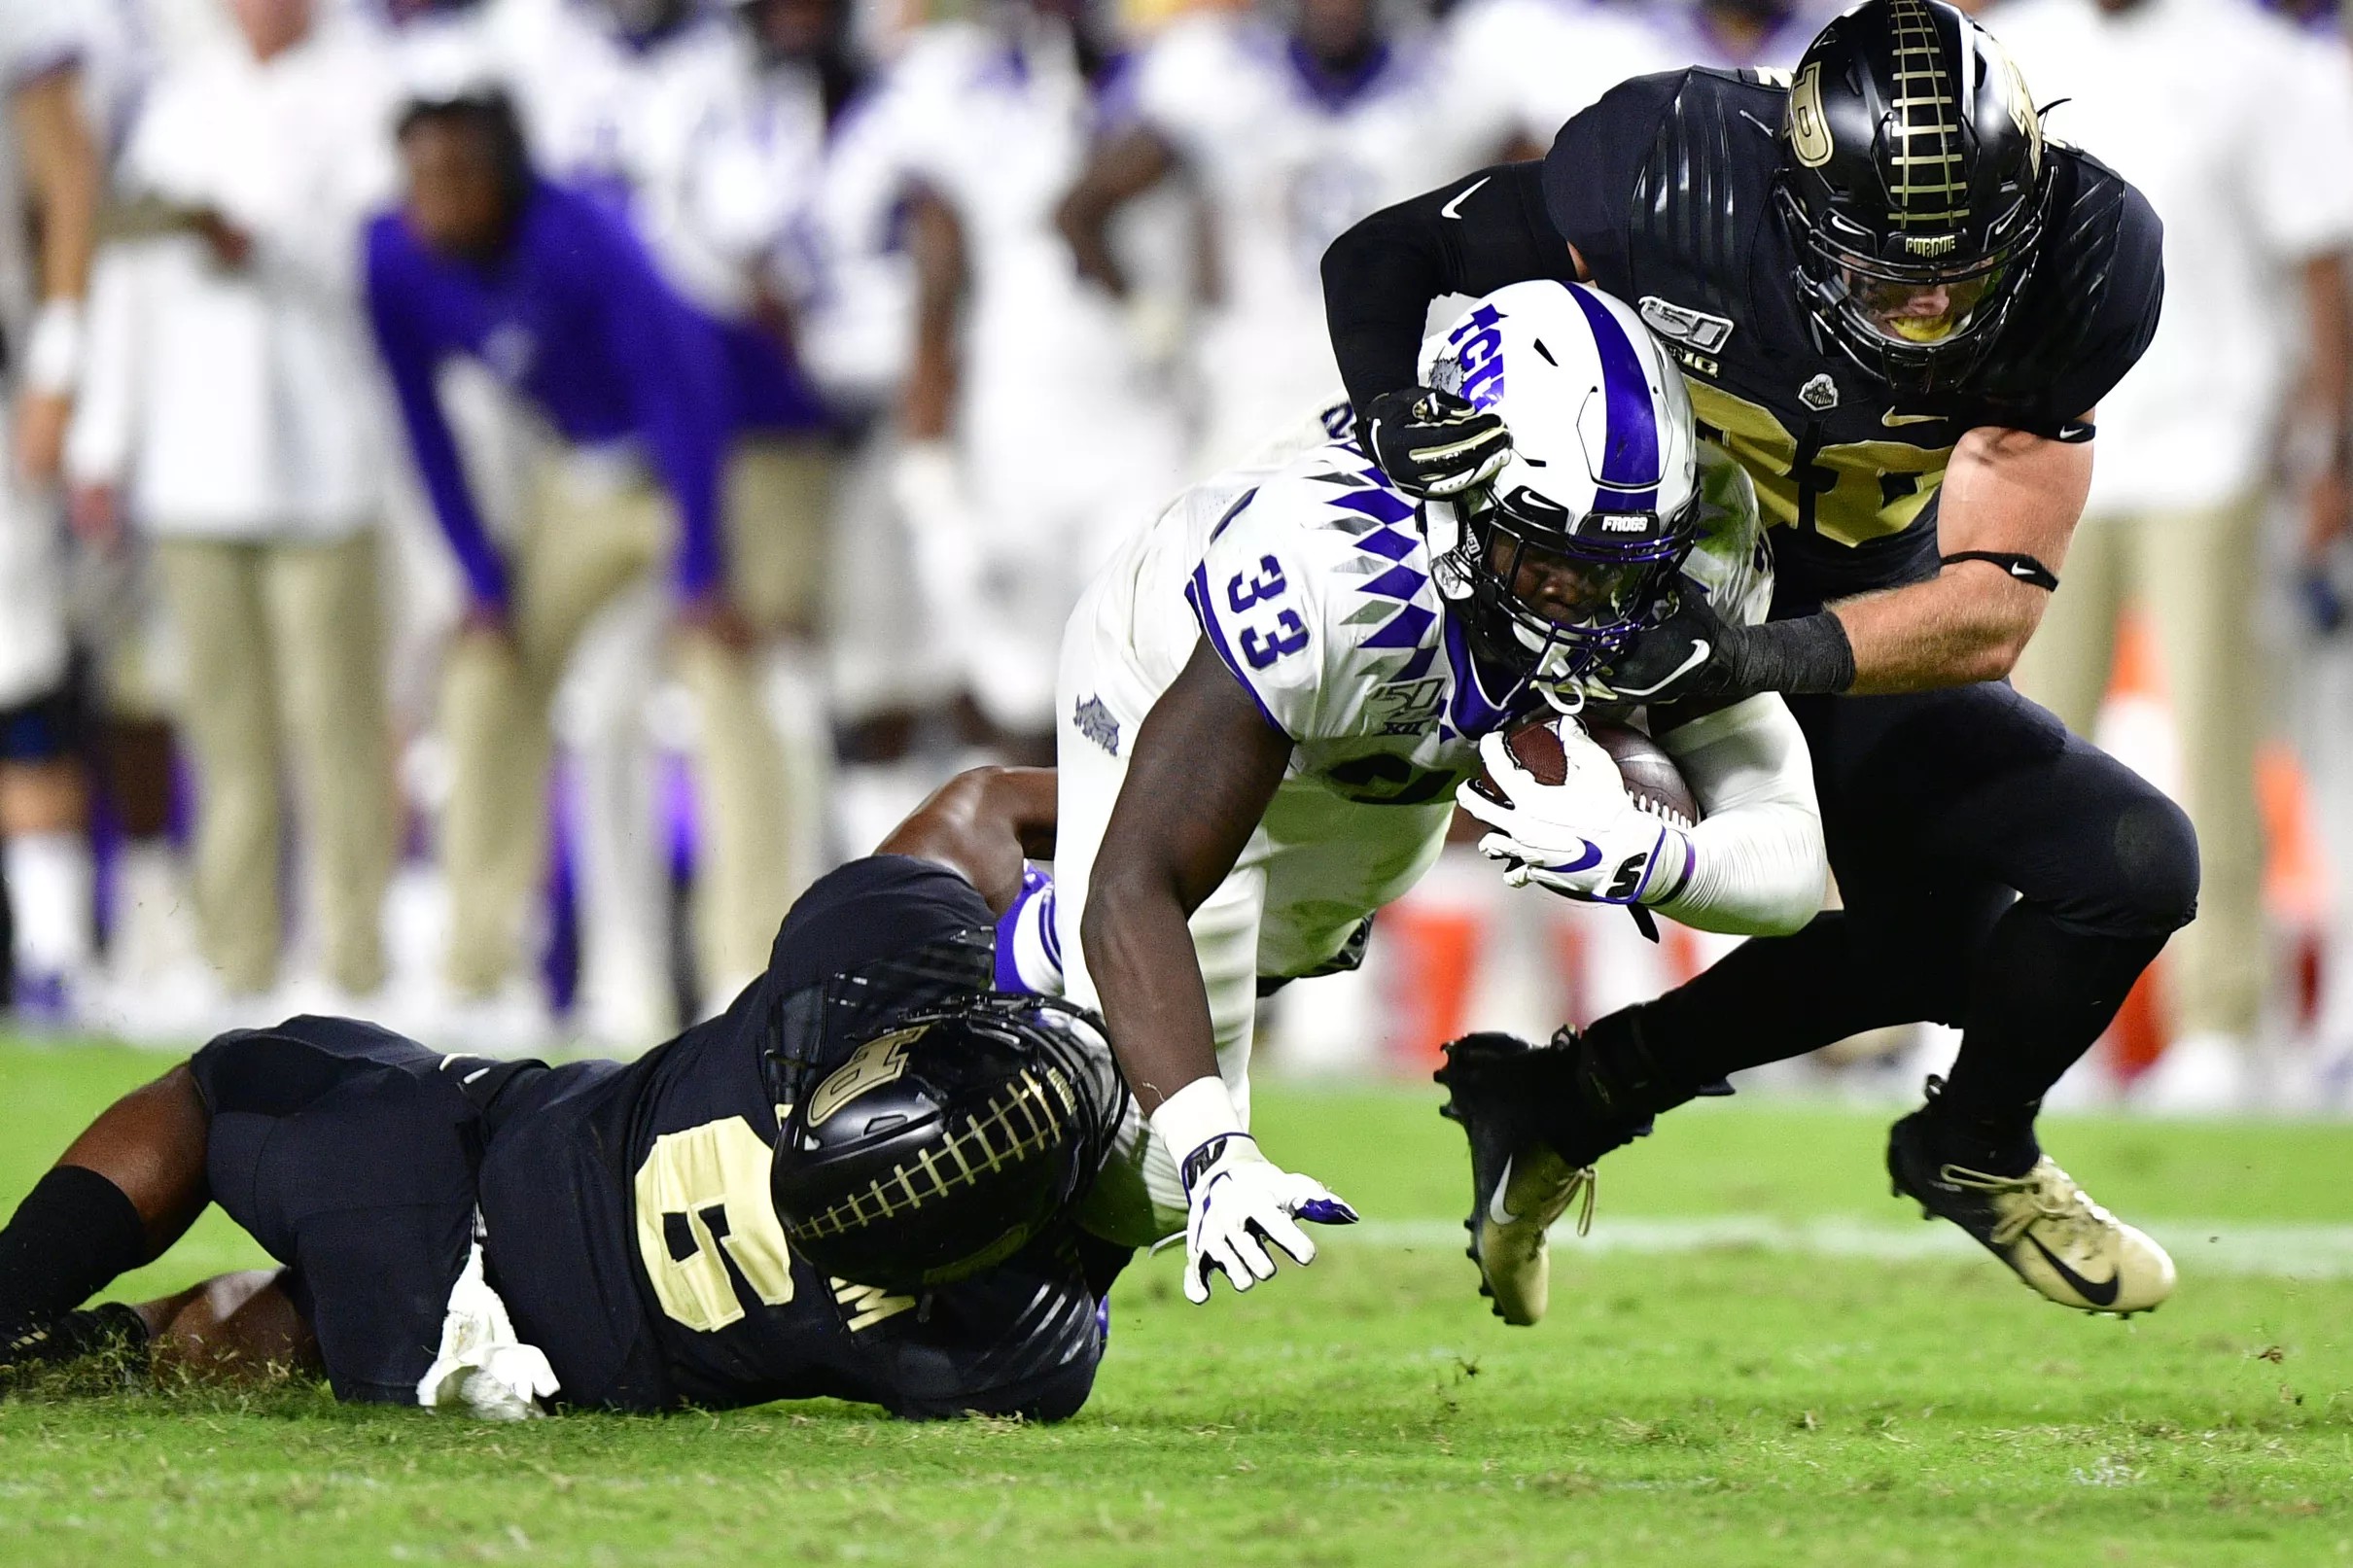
[113, 1331]
[1515, 1102]
[2044, 1226]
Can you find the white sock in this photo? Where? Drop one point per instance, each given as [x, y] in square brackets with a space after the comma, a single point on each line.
[49, 892]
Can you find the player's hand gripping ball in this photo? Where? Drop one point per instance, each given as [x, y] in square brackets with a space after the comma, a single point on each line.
[1593, 823]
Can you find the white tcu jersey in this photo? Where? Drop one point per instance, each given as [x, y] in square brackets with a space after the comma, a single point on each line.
[1691, 36]
[1528, 65]
[1053, 405]
[1310, 580]
[1286, 163]
[635, 121]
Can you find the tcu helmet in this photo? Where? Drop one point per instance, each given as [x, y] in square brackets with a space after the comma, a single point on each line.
[944, 1144]
[1911, 161]
[1595, 503]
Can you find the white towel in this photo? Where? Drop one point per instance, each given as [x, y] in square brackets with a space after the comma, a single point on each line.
[483, 1368]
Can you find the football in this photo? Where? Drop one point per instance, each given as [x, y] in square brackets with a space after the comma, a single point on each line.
[1650, 775]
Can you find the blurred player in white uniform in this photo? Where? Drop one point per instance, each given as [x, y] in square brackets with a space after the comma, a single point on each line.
[51, 166]
[1289, 136]
[1033, 436]
[648, 105]
[2236, 129]
[1269, 699]
[613, 94]
[1530, 64]
[1738, 34]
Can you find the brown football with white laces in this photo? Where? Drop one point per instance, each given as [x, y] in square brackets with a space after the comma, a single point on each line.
[1649, 774]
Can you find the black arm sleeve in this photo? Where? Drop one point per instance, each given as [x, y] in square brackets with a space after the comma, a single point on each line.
[1469, 236]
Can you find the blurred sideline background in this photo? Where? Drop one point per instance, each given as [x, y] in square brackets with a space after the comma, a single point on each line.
[968, 291]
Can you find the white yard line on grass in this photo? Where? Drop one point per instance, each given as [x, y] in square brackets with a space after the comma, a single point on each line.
[2225, 1246]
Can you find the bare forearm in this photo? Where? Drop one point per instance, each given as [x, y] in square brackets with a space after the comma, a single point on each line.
[983, 824]
[935, 241]
[1084, 219]
[1132, 163]
[2008, 494]
[1968, 623]
[63, 168]
[2329, 401]
[1205, 766]
[1139, 950]
[2328, 371]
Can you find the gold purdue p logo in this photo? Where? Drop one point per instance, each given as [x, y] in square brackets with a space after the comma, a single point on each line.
[1809, 131]
[879, 1061]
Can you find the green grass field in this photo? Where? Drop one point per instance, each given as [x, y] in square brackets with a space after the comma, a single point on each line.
[1758, 1358]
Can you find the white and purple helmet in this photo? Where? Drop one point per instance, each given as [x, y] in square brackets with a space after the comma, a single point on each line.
[1573, 548]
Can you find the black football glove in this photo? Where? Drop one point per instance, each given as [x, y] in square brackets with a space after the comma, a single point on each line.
[1694, 654]
[1431, 442]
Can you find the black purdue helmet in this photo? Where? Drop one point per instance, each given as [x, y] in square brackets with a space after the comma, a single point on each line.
[1911, 160]
[944, 1144]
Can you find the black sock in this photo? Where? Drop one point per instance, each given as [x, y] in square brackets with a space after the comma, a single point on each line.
[2040, 997]
[1775, 998]
[73, 1234]
[2002, 1145]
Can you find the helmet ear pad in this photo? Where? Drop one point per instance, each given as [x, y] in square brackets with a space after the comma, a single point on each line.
[947, 1142]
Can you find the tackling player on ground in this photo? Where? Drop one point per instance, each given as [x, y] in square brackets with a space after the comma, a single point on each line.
[1271, 697]
[1898, 305]
[852, 1184]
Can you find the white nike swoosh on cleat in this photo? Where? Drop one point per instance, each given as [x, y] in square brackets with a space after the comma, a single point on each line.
[1496, 1212]
[1453, 208]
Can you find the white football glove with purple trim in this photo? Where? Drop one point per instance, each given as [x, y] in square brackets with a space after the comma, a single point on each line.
[1584, 838]
[1237, 1201]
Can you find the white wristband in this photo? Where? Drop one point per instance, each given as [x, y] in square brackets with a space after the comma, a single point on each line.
[1200, 1111]
[53, 349]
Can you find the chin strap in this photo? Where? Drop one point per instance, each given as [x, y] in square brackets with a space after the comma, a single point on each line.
[2023, 568]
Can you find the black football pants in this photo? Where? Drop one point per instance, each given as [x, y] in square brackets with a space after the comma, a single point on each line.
[1997, 873]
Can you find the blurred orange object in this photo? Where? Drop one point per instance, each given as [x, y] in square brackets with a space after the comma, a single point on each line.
[1430, 948]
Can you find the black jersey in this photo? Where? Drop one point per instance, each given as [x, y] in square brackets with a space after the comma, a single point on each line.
[1664, 188]
[630, 1226]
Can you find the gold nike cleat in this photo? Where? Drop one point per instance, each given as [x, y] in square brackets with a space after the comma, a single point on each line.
[2042, 1225]
[1508, 1233]
[1521, 1183]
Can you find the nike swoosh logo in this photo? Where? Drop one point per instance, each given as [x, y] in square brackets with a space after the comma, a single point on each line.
[2018, 571]
[1584, 862]
[1700, 651]
[1496, 1212]
[1891, 419]
[2102, 1294]
[1453, 208]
